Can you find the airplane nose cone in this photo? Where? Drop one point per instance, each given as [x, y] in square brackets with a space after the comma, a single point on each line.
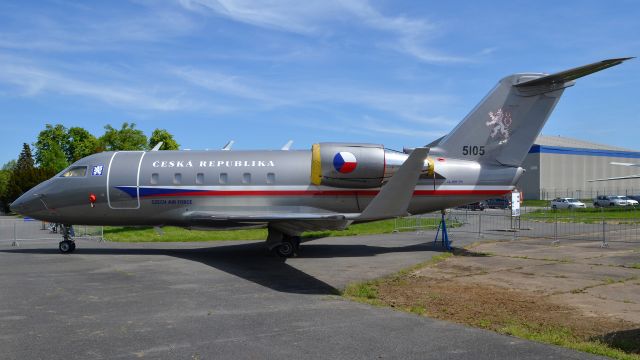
[17, 205]
[27, 204]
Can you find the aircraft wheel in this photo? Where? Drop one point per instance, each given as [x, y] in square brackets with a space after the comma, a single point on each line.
[286, 250]
[66, 246]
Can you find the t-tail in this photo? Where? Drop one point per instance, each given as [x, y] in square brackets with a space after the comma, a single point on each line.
[502, 127]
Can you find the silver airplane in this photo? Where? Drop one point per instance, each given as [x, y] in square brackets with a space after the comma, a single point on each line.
[330, 186]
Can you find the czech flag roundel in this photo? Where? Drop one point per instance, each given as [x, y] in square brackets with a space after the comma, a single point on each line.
[344, 162]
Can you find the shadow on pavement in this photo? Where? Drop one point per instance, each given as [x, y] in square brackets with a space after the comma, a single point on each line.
[252, 261]
[625, 340]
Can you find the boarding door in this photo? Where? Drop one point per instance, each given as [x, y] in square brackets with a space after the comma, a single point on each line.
[123, 180]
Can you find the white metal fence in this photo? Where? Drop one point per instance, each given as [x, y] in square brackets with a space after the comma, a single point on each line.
[16, 230]
[551, 225]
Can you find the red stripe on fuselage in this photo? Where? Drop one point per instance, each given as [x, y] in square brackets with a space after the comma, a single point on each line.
[324, 193]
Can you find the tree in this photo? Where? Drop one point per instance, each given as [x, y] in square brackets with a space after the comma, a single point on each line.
[54, 159]
[81, 144]
[163, 135]
[25, 160]
[24, 176]
[52, 148]
[127, 138]
[9, 165]
[5, 176]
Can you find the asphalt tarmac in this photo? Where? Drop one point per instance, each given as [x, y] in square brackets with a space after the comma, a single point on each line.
[226, 300]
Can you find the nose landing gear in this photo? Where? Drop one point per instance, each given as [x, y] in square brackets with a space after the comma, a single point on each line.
[67, 245]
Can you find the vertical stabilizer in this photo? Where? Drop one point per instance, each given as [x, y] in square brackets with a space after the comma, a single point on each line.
[504, 125]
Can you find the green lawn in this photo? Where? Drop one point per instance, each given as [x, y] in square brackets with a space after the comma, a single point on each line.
[588, 215]
[176, 234]
[540, 203]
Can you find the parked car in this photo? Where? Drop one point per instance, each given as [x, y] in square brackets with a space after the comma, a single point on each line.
[498, 203]
[630, 201]
[614, 200]
[473, 206]
[634, 197]
[567, 203]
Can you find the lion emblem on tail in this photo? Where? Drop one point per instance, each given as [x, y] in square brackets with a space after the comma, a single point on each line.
[499, 125]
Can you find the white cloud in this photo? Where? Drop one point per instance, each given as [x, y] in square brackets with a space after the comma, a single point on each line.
[313, 17]
[83, 34]
[35, 80]
[225, 84]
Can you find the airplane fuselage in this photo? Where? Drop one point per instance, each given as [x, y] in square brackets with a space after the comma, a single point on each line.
[159, 187]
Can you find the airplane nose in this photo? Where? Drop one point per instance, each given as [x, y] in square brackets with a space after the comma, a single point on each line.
[27, 204]
[17, 205]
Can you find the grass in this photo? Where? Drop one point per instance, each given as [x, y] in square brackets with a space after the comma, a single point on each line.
[176, 234]
[588, 215]
[623, 347]
[564, 337]
[541, 203]
[368, 291]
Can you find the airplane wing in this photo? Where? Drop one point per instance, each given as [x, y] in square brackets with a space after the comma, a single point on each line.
[291, 222]
[637, 176]
[261, 217]
[624, 164]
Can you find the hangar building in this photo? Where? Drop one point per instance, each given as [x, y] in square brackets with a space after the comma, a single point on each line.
[560, 167]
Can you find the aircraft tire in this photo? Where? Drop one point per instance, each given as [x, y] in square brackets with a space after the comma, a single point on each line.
[66, 246]
[286, 250]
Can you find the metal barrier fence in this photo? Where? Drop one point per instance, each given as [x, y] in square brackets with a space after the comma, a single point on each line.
[584, 194]
[15, 230]
[553, 226]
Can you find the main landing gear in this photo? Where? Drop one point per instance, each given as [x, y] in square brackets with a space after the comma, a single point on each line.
[67, 245]
[283, 245]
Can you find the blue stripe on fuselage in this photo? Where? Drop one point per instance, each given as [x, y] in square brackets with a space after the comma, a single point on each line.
[132, 191]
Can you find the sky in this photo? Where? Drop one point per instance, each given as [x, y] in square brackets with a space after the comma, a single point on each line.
[398, 73]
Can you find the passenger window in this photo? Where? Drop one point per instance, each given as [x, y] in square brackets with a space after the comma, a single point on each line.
[199, 178]
[271, 178]
[246, 178]
[154, 179]
[76, 171]
[177, 178]
[223, 178]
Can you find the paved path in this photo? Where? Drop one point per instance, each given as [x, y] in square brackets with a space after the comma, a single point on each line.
[228, 301]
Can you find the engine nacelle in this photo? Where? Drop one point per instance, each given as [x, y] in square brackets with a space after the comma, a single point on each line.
[347, 165]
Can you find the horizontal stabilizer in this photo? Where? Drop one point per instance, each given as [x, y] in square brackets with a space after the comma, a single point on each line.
[572, 74]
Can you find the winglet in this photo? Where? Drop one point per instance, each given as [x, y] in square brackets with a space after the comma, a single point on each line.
[157, 147]
[287, 146]
[394, 197]
[228, 146]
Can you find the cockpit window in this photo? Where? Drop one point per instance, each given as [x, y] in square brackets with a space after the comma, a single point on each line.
[76, 171]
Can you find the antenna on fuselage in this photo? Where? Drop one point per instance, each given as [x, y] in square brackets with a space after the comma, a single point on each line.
[287, 146]
[228, 146]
